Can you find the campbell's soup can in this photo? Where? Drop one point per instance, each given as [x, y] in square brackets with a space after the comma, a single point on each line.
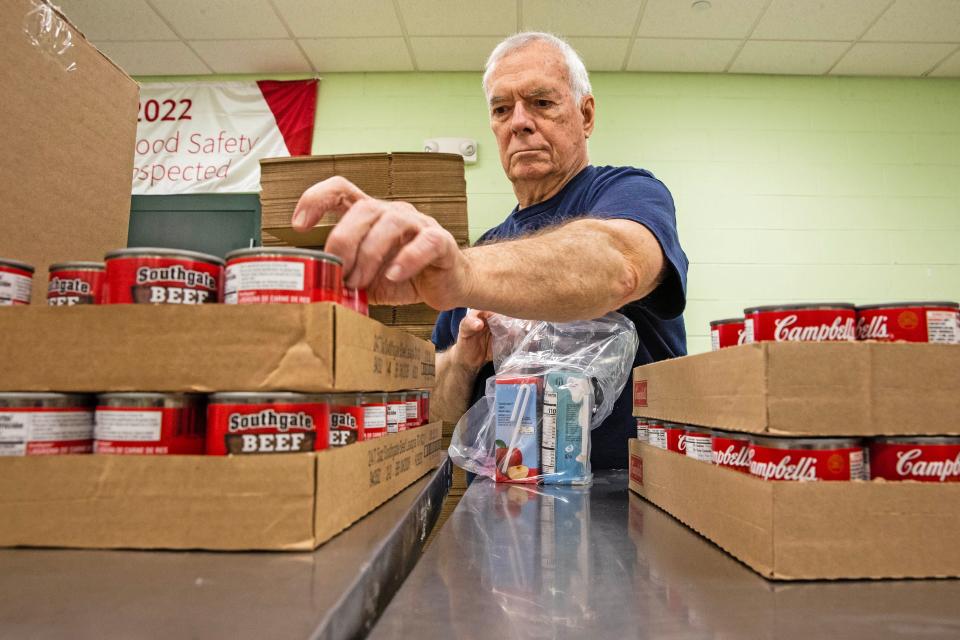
[73, 283]
[731, 450]
[346, 418]
[697, 444]
[643, 434]
[675, 434]
[271, 275]
[149, 424]
[808, 459]
[726, 333]
[424, 406]
[162, 276]
[374, 414]
[920, 458]
[16, 282]
[356, 299]
[273, 422]
[817, 322]
[656, 434]
[909, 322]
[33, 424]
[396, 411]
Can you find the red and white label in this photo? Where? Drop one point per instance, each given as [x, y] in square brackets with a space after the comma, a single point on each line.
[676, 439]
[640, 393]
[374, 421]
[657, 437]
[396, 416]
[729, 334]
[801, 325]
[356, 299]
[909, 324]
[642, 432]
[636, 469]
[698, 446]
[15, 286]
[266, 428]
[162, 280]
[413, 411]
[35, 431]
[68, 287]
[733, 453]
[281, 279]
[424, 407]
[149, 431]
[920, 462]
[346, 424]
[804, 465]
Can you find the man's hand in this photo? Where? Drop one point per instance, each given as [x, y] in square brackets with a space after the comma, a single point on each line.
[473, 348]
[399, 255]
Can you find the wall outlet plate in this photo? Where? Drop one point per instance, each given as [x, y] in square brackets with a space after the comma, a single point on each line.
[463, 146]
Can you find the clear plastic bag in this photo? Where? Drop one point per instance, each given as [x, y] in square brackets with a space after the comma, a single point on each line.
[554, 383]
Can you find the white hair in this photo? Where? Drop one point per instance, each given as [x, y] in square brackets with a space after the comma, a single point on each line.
[577, 72]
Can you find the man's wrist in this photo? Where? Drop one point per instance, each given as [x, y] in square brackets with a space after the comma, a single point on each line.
[456, 361]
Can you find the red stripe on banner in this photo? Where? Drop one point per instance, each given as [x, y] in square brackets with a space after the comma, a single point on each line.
[294, 107]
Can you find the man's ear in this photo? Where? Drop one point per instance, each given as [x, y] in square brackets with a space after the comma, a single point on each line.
[588, 110]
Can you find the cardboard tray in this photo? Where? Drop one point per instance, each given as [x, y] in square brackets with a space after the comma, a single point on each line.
[807, 530]
[206, 348]
[805, 389]
[290, 502]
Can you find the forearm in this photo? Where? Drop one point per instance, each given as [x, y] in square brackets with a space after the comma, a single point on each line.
[451, 396]
[575, 272]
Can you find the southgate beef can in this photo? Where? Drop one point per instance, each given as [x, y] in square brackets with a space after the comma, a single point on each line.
[374, 414]
[34, 424]
[356, 299]
[808, 459]
[282, 275]
[909, 322]
[346, 418]
[643, 434]
[817, 322]
[149, 424]
[273, 422]
[697, 444]
[656, 434]
[424, 406]
[73, 283]
[396, 411]
[16, 282]
[920, 458]
[726, 333]
[731, 450]
[413, 409]
[162, 276]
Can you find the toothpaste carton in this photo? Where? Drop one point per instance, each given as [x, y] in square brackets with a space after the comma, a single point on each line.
[567, 407]
[517, 402]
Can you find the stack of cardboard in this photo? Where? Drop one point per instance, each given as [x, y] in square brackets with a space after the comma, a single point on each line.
[417, 319]
[432, 182]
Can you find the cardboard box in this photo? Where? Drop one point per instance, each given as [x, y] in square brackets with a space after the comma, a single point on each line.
[70, 123]
[206, 348]
[807, 530]
[804, 389]
[291, 502]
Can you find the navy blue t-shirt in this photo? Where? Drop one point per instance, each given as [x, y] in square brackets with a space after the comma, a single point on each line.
[607, 193]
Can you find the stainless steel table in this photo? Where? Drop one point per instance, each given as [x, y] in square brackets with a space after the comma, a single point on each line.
[335, 592]
[599, 563]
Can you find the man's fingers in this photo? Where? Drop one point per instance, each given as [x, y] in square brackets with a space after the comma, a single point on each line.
[336, 195]
[430, 246]
[391, 229]
[471, 325]
[345, 238]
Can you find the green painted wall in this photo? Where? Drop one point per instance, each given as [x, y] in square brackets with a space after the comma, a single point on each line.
[787, 188]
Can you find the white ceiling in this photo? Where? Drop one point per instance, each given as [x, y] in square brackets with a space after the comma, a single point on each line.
[812, 37]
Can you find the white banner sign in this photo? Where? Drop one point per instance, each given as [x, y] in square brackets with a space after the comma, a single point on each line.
[209, 137]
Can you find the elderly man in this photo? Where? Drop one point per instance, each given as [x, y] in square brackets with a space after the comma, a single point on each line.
[583, 240]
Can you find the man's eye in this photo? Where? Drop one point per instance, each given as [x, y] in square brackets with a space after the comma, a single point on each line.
[543, 104]
[499, 110]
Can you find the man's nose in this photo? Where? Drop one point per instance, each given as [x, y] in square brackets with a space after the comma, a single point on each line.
[521, 122]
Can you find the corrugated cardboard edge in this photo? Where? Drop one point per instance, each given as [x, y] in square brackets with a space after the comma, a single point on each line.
[362, 470]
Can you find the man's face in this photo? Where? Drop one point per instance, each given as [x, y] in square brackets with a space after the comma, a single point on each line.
[540, 131]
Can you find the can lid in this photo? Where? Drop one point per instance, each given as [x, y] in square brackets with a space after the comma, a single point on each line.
[898, 305]
[143, 395]
[292, 396]
[785, 442]
[726, 321]
[163, 252]
[79, 265]
[798, 307]
[41, 395]
[17, 264]
[284, 251]
[916, 440]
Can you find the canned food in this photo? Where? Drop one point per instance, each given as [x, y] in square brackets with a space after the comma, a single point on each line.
[697, 444]
[162, 276]
[424, 406]
[374, 415]
[16, 282]
[920, 458]
[643, 434]
[816, 322]
[656, 434]
[675, 433]
[73, 283]
[346, 418]
[806, 459]
[909, 322]
[726, 333]
[282, 275]
[356, 299]
[413, 409]
[273, 422]
[149, 424]
[731, 450]
[33, 424]
[396, 412]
